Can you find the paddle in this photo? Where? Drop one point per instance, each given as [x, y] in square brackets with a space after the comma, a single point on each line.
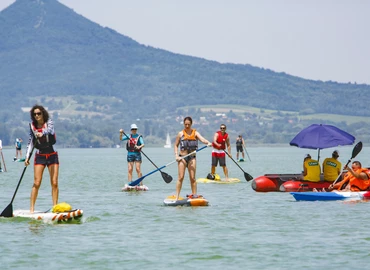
[8, 211]
[166, 177]
[245, 148]
[247, 176]
[356, 150]
[136, 182]
[2, 156]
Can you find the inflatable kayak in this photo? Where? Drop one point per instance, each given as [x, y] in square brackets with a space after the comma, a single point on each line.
[331, 196]
[221, 181]
[190, 200]
[135, 188]
[286, 183]
[49, 217]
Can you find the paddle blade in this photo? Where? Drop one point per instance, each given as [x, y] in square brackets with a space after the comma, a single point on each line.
[356, 150]
[247, 176]
[166, 177]
[136, 182]
[8, 211]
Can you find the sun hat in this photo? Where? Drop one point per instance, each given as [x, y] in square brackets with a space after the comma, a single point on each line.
[133, 126]
[307, 156]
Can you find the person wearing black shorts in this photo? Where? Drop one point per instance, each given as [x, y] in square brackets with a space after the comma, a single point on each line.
[42, 137]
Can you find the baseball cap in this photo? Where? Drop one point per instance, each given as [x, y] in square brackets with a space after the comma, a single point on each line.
[307, 156]
[133, 126]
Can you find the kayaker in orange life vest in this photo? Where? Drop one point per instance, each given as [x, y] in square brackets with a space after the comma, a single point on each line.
[356, 179]
[220, 142]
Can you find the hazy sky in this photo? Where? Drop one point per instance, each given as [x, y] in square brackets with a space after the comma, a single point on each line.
[314, 39]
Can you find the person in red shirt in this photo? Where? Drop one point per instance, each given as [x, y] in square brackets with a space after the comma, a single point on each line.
[220, 142]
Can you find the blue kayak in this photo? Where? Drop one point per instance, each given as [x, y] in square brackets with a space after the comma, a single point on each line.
[329, 196]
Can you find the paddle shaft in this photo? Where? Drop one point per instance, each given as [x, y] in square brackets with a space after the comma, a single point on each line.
[247, 176]
[24, 170]
[136, 182]
[2, 156]
[356, 150]
[8, 211]
[141, 150]
[166, 177]
[245, 148]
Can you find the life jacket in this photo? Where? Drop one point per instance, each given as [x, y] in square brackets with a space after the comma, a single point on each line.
[221, 139]
[46, 141]
[19, 145]
[132, 142]
[356, 184]
[239, 142]
[188, 142]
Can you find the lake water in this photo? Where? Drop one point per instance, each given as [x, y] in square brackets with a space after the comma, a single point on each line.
[241, 229]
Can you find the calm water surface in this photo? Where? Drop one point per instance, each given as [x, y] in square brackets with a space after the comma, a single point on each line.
[241, 229]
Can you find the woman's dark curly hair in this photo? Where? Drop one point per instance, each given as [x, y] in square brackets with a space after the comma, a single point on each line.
[45, 114]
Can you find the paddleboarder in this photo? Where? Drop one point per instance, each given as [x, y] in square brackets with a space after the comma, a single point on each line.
[239, 146]
[185, 143]
[42, 137]
[221, 141]
[135, 143]
[18, 148]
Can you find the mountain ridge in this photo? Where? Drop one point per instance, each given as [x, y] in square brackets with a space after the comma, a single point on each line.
[70, 47]
[48, 51]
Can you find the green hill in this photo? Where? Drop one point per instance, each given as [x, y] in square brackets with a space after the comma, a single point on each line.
[86, 73]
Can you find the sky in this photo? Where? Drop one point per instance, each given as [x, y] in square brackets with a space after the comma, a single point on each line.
[324, 40]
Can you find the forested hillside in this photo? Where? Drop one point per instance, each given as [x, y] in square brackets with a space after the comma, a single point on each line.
[48, 53]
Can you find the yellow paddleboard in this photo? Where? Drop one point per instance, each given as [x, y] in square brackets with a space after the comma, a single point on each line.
[221, 181]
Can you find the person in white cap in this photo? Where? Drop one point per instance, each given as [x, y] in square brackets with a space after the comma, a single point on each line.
[135, 143]
[311, 169]
[331, 167]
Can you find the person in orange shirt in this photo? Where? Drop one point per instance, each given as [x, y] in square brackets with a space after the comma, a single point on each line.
[356, 179]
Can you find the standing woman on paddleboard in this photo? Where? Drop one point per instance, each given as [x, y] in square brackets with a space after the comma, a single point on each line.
[42, 137]
[187, 142]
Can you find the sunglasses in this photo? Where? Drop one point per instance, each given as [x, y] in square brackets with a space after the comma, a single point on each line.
[134, 129]
[37, 113]
[222, 128]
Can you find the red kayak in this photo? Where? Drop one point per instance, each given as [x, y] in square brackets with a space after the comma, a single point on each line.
[286, 183]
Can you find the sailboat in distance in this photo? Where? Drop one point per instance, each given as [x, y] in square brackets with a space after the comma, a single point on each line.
[168, 141]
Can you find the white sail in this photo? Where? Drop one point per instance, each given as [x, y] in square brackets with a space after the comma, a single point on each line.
[168, 141]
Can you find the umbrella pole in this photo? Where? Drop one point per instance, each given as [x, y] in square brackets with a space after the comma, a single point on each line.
[318, 155]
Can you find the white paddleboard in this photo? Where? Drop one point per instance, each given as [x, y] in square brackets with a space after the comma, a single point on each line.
[49, 217]
[135, 188]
